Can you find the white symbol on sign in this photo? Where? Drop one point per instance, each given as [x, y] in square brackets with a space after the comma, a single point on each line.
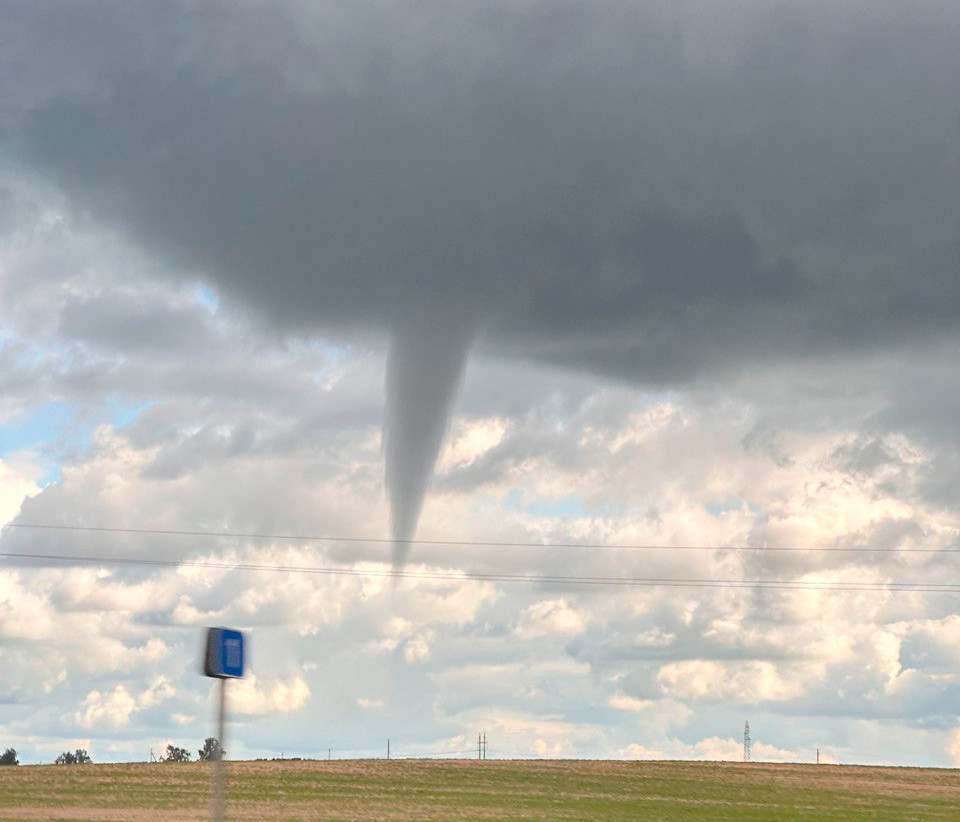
[233, 653]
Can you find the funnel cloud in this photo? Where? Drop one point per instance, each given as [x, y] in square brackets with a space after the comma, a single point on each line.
[652, 192]
[423, 374]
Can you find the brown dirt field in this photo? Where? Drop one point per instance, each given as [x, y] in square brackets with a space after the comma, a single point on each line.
[434, 791]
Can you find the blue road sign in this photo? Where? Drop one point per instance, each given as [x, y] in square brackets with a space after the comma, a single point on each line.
[224, 657]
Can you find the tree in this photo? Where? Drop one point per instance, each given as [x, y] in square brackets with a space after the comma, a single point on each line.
[211, 750]
[9, 757]
[77, 757]
[175, 754]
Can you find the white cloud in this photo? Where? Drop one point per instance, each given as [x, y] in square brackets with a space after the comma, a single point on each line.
[551, 617]
[635, 751]
[551, 749]
[160, 690]
[251, 697]
[715, 748]
[14, 489]
[953, 747]
[731, 750]
[419, 647]
[543, 670]
[739, 682]
[469, 440]
[112, 709]
[622, 702]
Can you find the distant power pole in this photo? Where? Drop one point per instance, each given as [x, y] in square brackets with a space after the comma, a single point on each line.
[746, 741]
[388, 748]
[479, 747]
[484, 744]
[818, 755]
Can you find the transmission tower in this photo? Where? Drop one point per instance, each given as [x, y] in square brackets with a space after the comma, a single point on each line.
[746, 741]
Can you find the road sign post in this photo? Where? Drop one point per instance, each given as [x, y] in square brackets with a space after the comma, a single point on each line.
[223, 660]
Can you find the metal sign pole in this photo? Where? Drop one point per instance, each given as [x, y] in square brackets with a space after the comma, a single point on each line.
[223, 660]
[219, 787]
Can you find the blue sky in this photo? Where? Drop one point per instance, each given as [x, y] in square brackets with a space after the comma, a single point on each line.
[58, 430]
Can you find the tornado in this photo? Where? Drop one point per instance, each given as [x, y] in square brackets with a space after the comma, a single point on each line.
[424, 374]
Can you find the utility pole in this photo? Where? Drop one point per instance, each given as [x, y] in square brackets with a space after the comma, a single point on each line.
[479, 747]
[484, 744]
[329, 752]
[818, 754]
[746, 742]
[388, 747]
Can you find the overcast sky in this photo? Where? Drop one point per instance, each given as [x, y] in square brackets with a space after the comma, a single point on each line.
[679, 274]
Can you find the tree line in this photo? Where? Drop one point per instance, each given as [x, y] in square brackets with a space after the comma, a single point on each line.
[210, 752]
[77, 757]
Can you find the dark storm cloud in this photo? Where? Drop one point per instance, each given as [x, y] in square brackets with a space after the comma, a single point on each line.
[115, 322]
[637, 190]
[580, 178]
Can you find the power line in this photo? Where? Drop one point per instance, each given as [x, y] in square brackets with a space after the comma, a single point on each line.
[433, 753]
[639, 582]
[477, 543]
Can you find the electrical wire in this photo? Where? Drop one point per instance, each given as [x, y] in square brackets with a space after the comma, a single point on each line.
[544, 579]
[476, 543]
[436, 753]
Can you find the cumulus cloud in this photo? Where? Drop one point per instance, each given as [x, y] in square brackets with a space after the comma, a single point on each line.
[953, 747]
[251, 697]
[668, 662]
[635, 751]
[552, 616]
[740, 682]
[418, 648]
[14, 489]
[369, 704]
[111, 709]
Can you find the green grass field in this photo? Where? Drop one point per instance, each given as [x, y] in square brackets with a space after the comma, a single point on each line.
[492, 790]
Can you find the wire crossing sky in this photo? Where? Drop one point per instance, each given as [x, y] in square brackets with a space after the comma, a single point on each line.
[774, 584]
[482, 544]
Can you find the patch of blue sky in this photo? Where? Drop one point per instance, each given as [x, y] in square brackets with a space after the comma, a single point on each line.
[664, 397]
[55, 430]
[28, 354]
[49, 430]
[332, 349]
[44, 423]
[569, 506]
[726, 504]
[207, 297]
[121, 411]
[333, 354]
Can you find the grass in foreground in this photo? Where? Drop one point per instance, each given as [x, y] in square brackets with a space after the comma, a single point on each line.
[435, 791]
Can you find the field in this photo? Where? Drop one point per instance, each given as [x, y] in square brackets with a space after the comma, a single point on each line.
[491, 790]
